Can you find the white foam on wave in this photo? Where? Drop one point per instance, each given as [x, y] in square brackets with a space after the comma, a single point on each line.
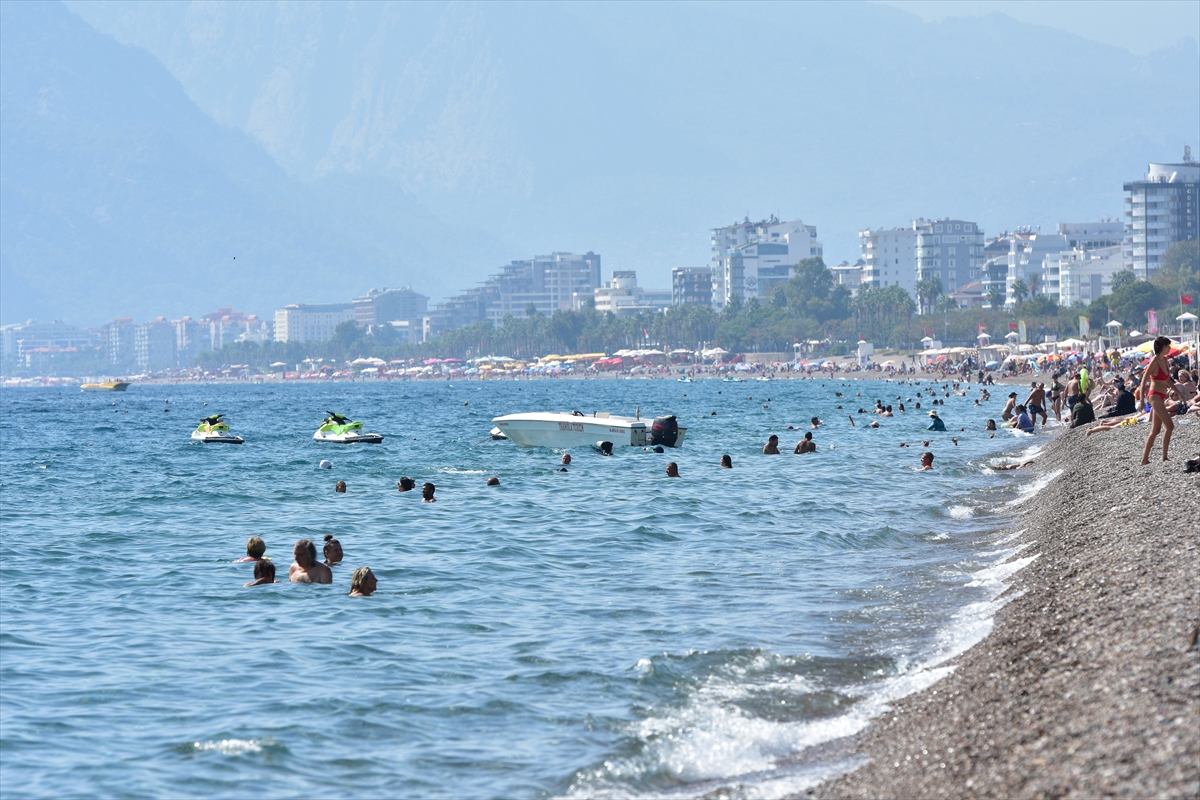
[961, 512]
[229, 747]
[997, 575]
[1033, 488]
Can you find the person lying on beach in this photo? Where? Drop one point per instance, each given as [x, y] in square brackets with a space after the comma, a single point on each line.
[406, 484]
[306, 568]
[926, 461]
[332, 550]
[1109, 424]
[255, 547]
[427, 491]
[806, 445]
[264, 573]
[672, 470]
[1011, 466]
[363, 582]
[726, 462]
[771, 448]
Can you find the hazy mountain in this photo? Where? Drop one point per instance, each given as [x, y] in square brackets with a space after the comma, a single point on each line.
[630, 129]
[120, 196]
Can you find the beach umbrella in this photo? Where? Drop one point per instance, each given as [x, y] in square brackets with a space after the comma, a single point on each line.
[991, 365]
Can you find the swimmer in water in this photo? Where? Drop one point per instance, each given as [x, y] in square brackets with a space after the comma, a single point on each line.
[816, 423]
[606, 448]
[306, 568]
[406, 484]
[362, 582]
[427, 491]
[991, 425]
[264, 573]
[806, 445]
[340, 487]
[672, 470]
[332, 550]
[926, 461]
[255, 547]
[771, 448]
[726, 462]
[566, 459]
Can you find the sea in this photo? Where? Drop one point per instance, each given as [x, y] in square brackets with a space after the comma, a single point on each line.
[601, 632]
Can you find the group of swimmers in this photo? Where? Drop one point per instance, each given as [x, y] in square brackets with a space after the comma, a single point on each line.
[305, 567]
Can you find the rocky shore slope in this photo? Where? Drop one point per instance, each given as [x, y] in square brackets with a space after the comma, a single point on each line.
[1089, 684]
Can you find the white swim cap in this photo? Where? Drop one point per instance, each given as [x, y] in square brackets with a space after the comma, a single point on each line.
[325, 464]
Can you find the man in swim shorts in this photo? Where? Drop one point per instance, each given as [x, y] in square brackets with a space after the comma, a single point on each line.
[1035, 403]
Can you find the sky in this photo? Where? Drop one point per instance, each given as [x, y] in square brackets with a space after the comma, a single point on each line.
[1140, 27]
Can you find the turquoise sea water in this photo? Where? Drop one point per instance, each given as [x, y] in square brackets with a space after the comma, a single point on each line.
[601, 632]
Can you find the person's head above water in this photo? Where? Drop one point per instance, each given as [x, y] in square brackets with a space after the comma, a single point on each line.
[726, 461]
[672, 470]
[340, 487]
[991, 425]
[808, 436]
[362, 582]
[332, 550]
[305, 553]
[406, 484]
[264, 573]
[255, 547]
[816, 422]
[566, 459]
[427, 491]
[927, 460]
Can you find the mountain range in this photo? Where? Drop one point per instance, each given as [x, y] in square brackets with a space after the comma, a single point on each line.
[331, 147]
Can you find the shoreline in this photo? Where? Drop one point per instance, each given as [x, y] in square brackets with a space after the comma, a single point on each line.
[1089, 682]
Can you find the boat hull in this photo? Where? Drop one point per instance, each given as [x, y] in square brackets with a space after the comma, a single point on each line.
[216, 438]
[111, 386]
[348, 438]
[564, 431]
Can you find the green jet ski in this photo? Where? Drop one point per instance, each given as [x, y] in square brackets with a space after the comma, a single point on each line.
[213, 430]
[342, 430]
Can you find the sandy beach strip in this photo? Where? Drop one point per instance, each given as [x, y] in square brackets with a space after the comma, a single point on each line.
[1089, 683]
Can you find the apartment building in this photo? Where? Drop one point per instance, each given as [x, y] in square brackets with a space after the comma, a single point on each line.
[154, 345]
[311, 323]
[751, 259]
[1027, 250]
[691, 285]
[951, 250]
[1070, 274]
[889, 257]
[1161, 210]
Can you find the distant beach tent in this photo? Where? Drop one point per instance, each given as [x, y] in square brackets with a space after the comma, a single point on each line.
[1012, 336]
[1072, 344]
[1187, 316]
[1113, 324]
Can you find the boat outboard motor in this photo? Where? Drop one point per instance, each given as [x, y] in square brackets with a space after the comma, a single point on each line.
[664, 431]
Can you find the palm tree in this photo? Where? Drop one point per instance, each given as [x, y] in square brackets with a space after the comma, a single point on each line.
[1019, 291]
[995, 296]
[1035, 283]
[928, 290]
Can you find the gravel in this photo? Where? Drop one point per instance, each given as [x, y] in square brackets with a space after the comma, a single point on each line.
[1089, 684]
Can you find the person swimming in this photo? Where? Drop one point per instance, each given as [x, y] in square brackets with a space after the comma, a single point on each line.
[672, 470]
[771, 448]
[806, 445]
[406, 484]
[306, 568]
[363, 582]
[427, 491]
[726, 462]
[332, 550]
[255, 547]
[926, 461]
[566, 459]
[264, 573]
[340, 487]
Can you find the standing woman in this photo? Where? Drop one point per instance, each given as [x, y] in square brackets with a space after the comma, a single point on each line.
[1157, 382]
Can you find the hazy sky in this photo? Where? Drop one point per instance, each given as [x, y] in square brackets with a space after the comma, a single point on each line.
[1140, 27]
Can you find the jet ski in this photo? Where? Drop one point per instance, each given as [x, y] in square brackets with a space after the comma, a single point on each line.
[342, 430]
[213, 430]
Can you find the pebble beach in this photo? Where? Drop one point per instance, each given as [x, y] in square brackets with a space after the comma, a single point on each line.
[1089, 683]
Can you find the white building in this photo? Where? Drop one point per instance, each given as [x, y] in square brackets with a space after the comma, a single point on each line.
[33, 334]
[622, 296]
[1160, 211]
[1027, 250]
[311, 323]
[950, 250]
[849, 275]
[1083, 241]
[1084, 275]
[750, 259]
[890, 257]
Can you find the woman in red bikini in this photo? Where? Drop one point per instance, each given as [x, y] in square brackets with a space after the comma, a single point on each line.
[1157, 379]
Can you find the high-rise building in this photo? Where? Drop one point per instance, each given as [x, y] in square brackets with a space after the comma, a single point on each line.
[1161, 210]
[311, 323]
[751, 259]
[550, 283]
[154, 345]
[890, 257]
[192, 338]
[1070, 274]
[388, 305]
[1026, 251]
[54, 336]
[117, 339]
[691, 285]
[950, 250]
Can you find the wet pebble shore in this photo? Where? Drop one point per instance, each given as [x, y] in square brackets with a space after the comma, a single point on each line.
[1089, 684]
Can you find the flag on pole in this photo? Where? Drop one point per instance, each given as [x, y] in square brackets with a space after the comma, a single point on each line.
[1021, 330]
[980, 327]
[1012, 326]
[1185, 299]
[1085, 327]
[929, 331]
[1152, 322]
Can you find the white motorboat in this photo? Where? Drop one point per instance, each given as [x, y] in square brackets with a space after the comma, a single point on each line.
[213, 430]
[565, 429]
[341, 430]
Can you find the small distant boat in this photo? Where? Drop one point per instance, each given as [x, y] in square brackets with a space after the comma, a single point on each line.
[762, 380]
[342, 430]
[734, 380]
[563, 429]
[108, 386]
[685, 380]
[213, 430]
